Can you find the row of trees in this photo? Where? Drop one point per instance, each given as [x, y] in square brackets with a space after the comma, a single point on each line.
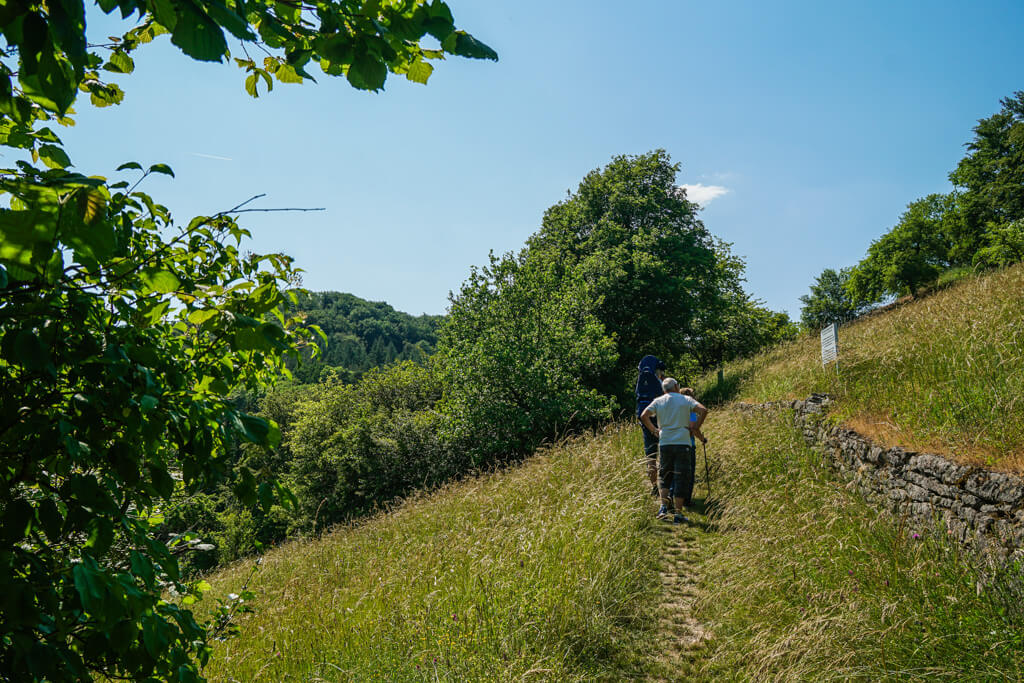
[980, 224]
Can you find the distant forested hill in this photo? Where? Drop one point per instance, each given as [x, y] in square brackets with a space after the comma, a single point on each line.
[363, 334]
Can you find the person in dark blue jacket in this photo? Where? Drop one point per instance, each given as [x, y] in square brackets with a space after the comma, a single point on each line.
[648, 387]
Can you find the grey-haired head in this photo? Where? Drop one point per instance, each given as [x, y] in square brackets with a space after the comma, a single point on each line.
[669, 384]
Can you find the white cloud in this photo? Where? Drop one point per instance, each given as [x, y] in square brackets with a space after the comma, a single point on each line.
[704, 194]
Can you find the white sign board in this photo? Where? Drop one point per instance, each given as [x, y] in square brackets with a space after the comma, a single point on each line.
[829, 344]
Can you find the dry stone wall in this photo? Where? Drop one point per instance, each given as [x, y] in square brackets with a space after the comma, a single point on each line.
[974, 505]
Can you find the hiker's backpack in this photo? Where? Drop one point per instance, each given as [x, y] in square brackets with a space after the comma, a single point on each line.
[648, 386]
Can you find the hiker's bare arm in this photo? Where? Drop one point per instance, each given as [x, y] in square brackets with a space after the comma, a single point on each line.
[697, 434]
[702, 413]
[645, 418]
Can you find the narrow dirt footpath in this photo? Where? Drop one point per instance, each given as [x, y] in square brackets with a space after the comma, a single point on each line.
[682, 636]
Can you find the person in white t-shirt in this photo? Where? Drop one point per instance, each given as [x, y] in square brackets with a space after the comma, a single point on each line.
[675, 445]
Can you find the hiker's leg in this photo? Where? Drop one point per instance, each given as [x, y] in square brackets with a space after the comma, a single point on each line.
[680, 470]
[665, 475]
[651, 451]
[689, 470]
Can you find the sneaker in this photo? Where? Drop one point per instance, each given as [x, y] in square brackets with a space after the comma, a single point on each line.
[680, 519]
[663, 512]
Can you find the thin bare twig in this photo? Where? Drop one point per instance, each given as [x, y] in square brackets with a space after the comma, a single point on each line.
[319, 208]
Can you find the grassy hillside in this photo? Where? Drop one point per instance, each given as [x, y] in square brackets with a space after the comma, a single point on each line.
[553, 570]
[545, 571]
[944, 373]
[805, 581]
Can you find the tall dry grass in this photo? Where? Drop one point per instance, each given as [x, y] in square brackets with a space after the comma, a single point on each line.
[805, 581]
[546, 571]
[944, 373]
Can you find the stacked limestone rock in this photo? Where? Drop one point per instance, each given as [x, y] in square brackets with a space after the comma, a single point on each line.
[975, 505]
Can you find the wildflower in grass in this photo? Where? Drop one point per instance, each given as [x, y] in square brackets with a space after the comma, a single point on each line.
[916, 536]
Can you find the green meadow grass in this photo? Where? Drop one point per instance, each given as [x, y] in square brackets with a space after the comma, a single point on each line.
[805, 581]
[544, 571]
[943, 373]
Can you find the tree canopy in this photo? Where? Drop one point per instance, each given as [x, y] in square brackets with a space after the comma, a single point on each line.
[910, 255]
[655, 277]
[992, 173]
[830, 300]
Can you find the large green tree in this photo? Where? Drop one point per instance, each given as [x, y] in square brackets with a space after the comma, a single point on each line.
[991, 175]
[830, 300]
[647, 261]
[122, 333]
[909, 256]
[655, 277]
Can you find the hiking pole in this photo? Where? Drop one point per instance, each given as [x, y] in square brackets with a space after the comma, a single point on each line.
[707, 471]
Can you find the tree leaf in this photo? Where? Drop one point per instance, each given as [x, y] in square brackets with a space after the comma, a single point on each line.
[164, 12]
[200, 316]
[54, 156]
[161, 168]
[130, 165]
[27, 238]
[464, 45]
[229, 19]
[286, 73]
[250, 85]
[160, 280]
[257, 430]
[53, 86]
[367, 72]
[119, 62]
[419, 72]
[197, 35]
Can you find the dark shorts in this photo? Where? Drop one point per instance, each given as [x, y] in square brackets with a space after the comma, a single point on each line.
[676, 470]
[650, 440]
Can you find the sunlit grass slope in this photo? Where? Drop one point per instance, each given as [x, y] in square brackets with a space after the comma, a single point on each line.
[806, 581]
[542, 572]
[944, 373]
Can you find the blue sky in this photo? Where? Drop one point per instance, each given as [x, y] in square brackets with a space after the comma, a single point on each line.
[809, 126]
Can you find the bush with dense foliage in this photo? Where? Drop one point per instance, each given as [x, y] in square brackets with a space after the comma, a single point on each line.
[122, 334]
[516, 345]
